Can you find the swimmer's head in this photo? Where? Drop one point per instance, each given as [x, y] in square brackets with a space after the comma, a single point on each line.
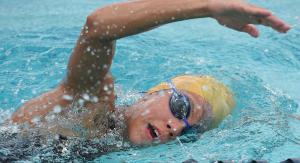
[154, 119]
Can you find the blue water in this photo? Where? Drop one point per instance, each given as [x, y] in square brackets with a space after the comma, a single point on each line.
[37, 38]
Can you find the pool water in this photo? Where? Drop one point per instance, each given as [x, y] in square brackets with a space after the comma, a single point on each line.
[37, 38]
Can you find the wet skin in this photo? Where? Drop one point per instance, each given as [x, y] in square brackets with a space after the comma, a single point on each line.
[89, 65]
[154, 110]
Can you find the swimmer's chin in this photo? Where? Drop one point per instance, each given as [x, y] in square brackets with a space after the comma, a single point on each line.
[139, 140]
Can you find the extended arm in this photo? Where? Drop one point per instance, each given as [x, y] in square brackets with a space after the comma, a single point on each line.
[95, 48]
[94, 51]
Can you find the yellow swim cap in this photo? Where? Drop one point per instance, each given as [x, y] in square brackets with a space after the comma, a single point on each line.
[215, 93]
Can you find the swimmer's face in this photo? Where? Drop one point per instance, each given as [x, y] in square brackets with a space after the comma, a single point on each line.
[151, 120]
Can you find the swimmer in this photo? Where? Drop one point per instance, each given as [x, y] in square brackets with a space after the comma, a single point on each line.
[167, 110]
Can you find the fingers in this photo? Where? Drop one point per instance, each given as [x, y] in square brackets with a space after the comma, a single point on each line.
[262, 16]
[251, 30]
[258, 11]
[276, 23]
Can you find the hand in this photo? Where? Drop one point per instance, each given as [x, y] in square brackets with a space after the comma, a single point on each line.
[241, 16]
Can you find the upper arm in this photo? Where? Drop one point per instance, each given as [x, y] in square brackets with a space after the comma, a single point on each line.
[90, 62]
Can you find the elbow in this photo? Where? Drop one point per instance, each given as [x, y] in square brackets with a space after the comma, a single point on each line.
[90, 27]
[91, 21]
[98, 26]
[94, 28]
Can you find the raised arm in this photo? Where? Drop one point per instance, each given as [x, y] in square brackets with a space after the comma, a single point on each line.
[94, 51]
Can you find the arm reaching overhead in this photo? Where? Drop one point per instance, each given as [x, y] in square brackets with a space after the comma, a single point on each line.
[94, 51]
[95, 48]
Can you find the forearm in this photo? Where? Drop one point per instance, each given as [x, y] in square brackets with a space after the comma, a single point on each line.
[129, 18]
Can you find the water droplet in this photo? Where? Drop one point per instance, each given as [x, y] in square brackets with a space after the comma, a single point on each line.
[57, 109]
[86, 97]
[81, 102]
[161, 93]
[119, 144]
[36, 120]
[266, 50]
[145, 112]
[88, 49]
[95, 99]
[105, 66]
[205, 88]
[198, 107]
[67, 97]
[105, 88]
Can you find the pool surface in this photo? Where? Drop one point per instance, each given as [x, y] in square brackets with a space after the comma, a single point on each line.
[37, 38]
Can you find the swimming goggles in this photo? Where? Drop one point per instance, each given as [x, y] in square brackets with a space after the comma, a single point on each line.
[180, 105]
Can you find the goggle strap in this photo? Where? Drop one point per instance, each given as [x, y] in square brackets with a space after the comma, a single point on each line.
[187, 125]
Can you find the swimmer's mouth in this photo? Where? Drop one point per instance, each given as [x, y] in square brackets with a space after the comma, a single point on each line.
[153, 131]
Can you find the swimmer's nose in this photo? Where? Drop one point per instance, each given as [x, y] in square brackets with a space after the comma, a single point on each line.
[174, 129]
